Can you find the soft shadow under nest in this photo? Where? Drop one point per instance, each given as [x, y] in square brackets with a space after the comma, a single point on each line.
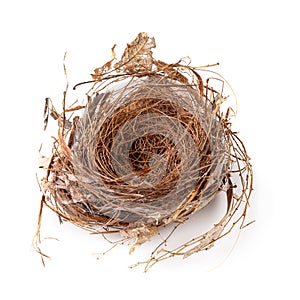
[150, 147]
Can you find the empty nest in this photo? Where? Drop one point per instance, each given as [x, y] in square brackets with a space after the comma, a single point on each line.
[151, 146]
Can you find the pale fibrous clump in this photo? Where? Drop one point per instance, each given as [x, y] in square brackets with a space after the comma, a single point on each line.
[151, 145]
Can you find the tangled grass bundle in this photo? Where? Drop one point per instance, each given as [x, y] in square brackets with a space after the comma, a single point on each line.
[149, 148]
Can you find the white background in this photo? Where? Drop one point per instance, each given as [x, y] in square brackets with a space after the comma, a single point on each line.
[257, 45]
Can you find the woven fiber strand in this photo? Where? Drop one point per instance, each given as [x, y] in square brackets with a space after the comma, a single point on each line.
[150, 147]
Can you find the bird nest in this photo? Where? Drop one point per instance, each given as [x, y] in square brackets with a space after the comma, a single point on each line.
[150, 147]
